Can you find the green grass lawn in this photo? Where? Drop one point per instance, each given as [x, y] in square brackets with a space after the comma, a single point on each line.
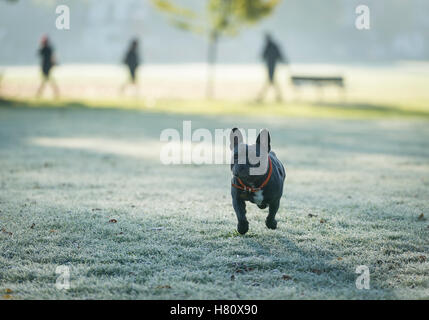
[356, 194]
[319, 110]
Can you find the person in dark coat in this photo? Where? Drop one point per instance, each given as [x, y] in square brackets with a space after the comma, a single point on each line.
[46, 53]
[271, 56]
[132, 61]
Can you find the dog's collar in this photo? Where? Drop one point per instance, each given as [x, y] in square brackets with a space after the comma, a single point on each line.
[243, 187]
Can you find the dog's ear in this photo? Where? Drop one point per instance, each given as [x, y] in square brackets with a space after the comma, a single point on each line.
[235, 138]
[264, 140]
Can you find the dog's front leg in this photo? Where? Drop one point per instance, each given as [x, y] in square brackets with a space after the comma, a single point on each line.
[240, 210]
[271, 222]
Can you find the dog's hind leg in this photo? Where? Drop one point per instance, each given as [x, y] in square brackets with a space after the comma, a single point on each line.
[271, 222]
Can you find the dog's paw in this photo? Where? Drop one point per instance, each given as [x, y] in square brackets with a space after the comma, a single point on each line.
[243, 227]
[271, 223]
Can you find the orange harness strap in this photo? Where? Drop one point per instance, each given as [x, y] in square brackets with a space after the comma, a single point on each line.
[250, 189]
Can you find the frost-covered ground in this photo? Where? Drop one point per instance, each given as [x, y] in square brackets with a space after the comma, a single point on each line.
[354, 194]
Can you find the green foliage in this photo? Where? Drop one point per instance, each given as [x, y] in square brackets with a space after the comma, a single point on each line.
[228, 16]
[170, 8]
[224, 17]
[180, 17]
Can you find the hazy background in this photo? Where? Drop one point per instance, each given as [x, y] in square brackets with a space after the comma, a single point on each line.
[310, 31]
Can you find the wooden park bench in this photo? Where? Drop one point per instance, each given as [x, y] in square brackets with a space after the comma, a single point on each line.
[318, 81]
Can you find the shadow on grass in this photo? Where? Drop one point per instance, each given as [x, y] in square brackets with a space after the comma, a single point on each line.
[108, 121]
[382, 110]
[230, 108]
[54, 104]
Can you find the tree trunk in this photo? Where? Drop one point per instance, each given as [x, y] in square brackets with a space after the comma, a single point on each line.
[211, 62]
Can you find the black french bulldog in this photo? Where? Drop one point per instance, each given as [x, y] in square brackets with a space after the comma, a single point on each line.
[258, 177]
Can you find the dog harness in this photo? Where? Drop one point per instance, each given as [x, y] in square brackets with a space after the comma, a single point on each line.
[243, 187]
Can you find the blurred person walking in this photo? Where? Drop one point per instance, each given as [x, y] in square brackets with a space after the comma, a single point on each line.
[271, 55]
[132, 61]
[46, 53]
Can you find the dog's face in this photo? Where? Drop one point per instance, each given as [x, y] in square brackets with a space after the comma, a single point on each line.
[249, 162]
